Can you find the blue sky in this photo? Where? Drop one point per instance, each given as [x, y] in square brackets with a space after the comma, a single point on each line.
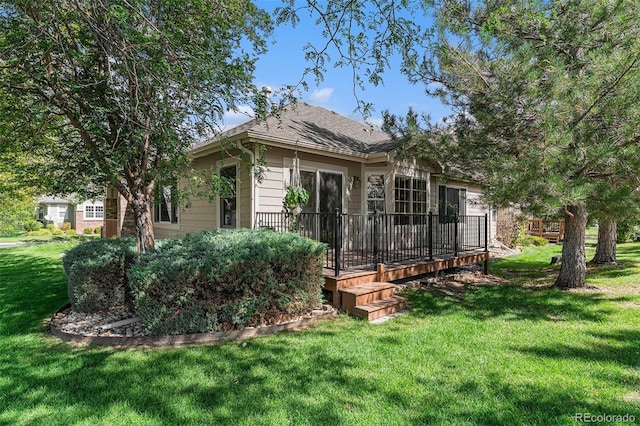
[284, 64]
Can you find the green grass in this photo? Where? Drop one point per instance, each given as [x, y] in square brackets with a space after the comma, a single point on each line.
[23, 238]
[516, 353]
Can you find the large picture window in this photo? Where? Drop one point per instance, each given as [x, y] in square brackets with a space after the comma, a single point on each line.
[228, 200]
[165, 207]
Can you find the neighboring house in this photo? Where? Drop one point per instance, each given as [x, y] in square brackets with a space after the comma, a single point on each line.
[345, 165]
[57, 210]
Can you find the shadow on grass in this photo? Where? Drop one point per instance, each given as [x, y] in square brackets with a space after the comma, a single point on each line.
[511, 302]
[271, 381]
[621, 346]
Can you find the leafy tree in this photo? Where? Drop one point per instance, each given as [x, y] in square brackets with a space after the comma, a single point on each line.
[545, 96]
[17, 201]
[114, 92]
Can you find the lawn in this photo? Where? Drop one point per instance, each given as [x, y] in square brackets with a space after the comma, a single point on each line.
[23, 238]
[515, 353]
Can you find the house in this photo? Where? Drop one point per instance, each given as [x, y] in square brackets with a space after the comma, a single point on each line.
[344, 165]
[390, 208]
[79, 215]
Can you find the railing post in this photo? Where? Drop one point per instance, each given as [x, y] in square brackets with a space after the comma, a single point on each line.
[486, 232]
[455, 235]
[375, 236]
[485, 269]
[430, 235]
[337, 242]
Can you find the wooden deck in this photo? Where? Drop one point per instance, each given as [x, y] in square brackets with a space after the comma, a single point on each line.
[385, 273]
[552, 230]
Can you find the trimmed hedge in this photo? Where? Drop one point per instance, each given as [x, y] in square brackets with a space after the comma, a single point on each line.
[96, 274]
[226, 280]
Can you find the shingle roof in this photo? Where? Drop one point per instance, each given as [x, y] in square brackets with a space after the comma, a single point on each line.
[301, 122]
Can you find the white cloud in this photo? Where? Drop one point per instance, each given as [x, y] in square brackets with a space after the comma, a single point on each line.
[321, 96]
[240, 115]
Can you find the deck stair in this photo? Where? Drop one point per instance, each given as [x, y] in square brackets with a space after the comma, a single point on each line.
[371, 300]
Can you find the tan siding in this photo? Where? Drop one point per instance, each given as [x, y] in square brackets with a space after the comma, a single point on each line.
[244, 197]
[272, 188]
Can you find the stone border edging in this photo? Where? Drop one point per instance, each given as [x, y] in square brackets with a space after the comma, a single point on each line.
[188, 339]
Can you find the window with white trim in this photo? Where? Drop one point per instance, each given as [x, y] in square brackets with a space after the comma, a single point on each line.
[375, 193]
[93, 212]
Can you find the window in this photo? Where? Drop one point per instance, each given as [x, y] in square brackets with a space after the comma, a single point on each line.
[93, 212]
[62, 212]
[402, 193]
[228, 210]
[452, 201]
[375, 193]
[419, 200]
[165, 207]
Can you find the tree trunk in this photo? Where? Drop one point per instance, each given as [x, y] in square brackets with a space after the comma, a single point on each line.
[606, 248]
[573, 270]
[144, 223]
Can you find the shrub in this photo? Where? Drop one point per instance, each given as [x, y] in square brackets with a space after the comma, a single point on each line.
[65, 226]
[32, 225]
[87, 231]
[97, 230]
[57, 232]
[70, 232]
[39, 233]
[50, 226]
[96, 273]
[530, 240]
[220, 281]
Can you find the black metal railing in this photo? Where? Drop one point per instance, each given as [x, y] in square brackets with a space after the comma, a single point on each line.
[358, 240]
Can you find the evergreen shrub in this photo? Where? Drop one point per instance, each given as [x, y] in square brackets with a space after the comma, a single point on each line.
[96, 273]
[32, 225]
[39, 233]
[226, 280]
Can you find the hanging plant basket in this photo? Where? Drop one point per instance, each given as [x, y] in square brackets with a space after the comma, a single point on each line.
[295, 198]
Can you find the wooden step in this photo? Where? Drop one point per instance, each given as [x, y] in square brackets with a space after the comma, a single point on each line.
[380, 308]
[365, 293]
